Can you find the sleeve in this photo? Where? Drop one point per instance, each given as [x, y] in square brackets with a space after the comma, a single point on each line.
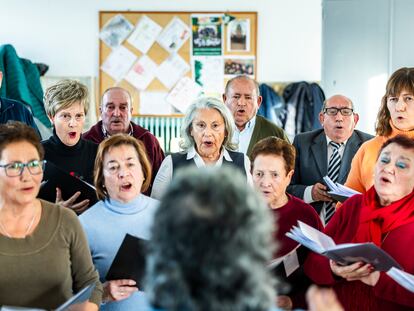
[163, 178]
[83, 270]
[354, 177]
[247, 169]
[295, 188]
[388, 289]
[307, 195]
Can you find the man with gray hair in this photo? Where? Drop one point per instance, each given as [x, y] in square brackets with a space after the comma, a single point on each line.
[242, 97]
[327, 151]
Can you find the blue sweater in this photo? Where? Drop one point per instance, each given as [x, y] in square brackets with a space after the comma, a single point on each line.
[106, 224]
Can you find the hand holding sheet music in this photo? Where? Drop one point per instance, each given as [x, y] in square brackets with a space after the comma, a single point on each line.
[343, 254]
[337, 191]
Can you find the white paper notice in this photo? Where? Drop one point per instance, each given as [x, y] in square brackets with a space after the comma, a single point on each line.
[208, 72]
[171, 70]
[115, 31]
[154, 103]
[145, 33]
[142, 73]
[119, 62]
[183, 94]
[174, 35]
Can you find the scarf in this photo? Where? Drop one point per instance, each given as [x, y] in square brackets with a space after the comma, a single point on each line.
[377, 220]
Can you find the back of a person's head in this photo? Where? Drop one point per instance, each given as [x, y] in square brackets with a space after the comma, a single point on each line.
[211, 240]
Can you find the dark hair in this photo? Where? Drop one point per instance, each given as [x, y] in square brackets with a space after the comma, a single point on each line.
[275, 146]
[116, 141]
[15, 131]
[211, 240]
[400, 80]
[403, 141]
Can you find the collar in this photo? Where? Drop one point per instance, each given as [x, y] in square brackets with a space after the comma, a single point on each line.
[249, 125]
[135, 206]
[106, 134]
[396, 131]
[192, 153]
[328, 140]
[62, 148]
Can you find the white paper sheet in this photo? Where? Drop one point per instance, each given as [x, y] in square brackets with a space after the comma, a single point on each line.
[144, 34]
[183, 94]
[208, 72]
[171, 70]
[174, 35]
[142, 73]
[119, 62]
[154, 103]
[116, 30]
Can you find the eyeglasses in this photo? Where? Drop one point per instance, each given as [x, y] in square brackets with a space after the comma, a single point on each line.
[346, 112]
[15, 169]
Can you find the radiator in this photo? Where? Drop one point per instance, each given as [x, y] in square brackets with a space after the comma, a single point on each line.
[166, 129]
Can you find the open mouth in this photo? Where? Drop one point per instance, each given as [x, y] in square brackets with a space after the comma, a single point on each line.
[241, 111]
[72, 135]
[385, 180]
[208, 143]
[27, 189]
[126, 186]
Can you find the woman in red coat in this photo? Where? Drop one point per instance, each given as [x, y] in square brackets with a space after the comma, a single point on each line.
[383, 215]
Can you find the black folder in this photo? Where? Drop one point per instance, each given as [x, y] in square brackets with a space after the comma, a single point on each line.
[54, 177]
[129, 261]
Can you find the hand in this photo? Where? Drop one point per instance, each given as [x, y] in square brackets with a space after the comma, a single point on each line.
[118, 289]
[319, 193]
[85, 306]
[284, 302]
[69, 203]
[371, 279]
[321, 299]
[353, 272]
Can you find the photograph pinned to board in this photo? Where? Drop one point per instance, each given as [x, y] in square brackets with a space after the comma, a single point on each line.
[238, 35]
[142, 73]
[208, 73]
[144, 34]
[183, 94]
[118, 63]
[154, 103]
[239, 65]
[207, 32]
[116, 30]
[171, 70]
[174, 35]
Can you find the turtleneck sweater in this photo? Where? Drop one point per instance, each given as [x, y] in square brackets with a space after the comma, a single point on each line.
[106, 223]
[78, 160]
[361, 175]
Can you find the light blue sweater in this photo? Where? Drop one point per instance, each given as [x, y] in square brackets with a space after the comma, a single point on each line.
[106, 224]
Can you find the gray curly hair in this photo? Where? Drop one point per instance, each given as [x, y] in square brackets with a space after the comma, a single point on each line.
[211, 240]
[207, 103]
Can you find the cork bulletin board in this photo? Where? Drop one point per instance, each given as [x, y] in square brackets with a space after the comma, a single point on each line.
[165, 58]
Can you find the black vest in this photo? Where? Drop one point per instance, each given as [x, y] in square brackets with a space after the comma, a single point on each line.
[179, 160]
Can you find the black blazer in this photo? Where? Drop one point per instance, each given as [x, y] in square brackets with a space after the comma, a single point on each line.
[311, 163]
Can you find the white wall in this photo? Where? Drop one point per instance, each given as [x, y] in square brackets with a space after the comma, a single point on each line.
[64, 34]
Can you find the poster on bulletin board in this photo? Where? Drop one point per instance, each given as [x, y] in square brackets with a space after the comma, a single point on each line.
[167, 59]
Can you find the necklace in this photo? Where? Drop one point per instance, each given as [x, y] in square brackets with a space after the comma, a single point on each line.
[27, 229]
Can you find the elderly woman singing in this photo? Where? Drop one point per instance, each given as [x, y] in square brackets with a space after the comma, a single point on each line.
[207, 133]
[383, 215]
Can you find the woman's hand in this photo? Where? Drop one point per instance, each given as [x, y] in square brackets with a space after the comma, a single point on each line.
[118, 289]
[321, 299]
[69, 203]
[353, 272]
[284, 302]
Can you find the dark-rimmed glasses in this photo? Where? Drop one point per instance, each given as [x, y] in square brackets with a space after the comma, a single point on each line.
[346, 112]
[15, 169]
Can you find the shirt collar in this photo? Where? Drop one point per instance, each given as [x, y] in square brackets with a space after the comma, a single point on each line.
[106, 134]
[328, 140]
[192, 153]
[249, 125]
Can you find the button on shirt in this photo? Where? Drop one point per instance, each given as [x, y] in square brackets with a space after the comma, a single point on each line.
[307, 195]
[242, 138]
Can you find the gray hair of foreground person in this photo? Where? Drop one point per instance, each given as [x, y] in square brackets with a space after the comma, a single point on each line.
[211, 241]
[207, 103]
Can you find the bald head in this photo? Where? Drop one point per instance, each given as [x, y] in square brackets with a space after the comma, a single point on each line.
[338, 98]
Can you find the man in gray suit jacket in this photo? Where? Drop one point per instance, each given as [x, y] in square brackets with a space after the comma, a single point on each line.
[313, 150]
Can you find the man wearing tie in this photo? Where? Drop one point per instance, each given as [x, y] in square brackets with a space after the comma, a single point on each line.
[327, 151]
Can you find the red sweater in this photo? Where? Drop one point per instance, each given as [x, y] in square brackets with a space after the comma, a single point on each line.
[386, 294]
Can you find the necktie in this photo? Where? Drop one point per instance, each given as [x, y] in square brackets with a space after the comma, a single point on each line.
[333, 173]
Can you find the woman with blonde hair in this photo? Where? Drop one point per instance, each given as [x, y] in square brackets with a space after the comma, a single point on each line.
[395, 117]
